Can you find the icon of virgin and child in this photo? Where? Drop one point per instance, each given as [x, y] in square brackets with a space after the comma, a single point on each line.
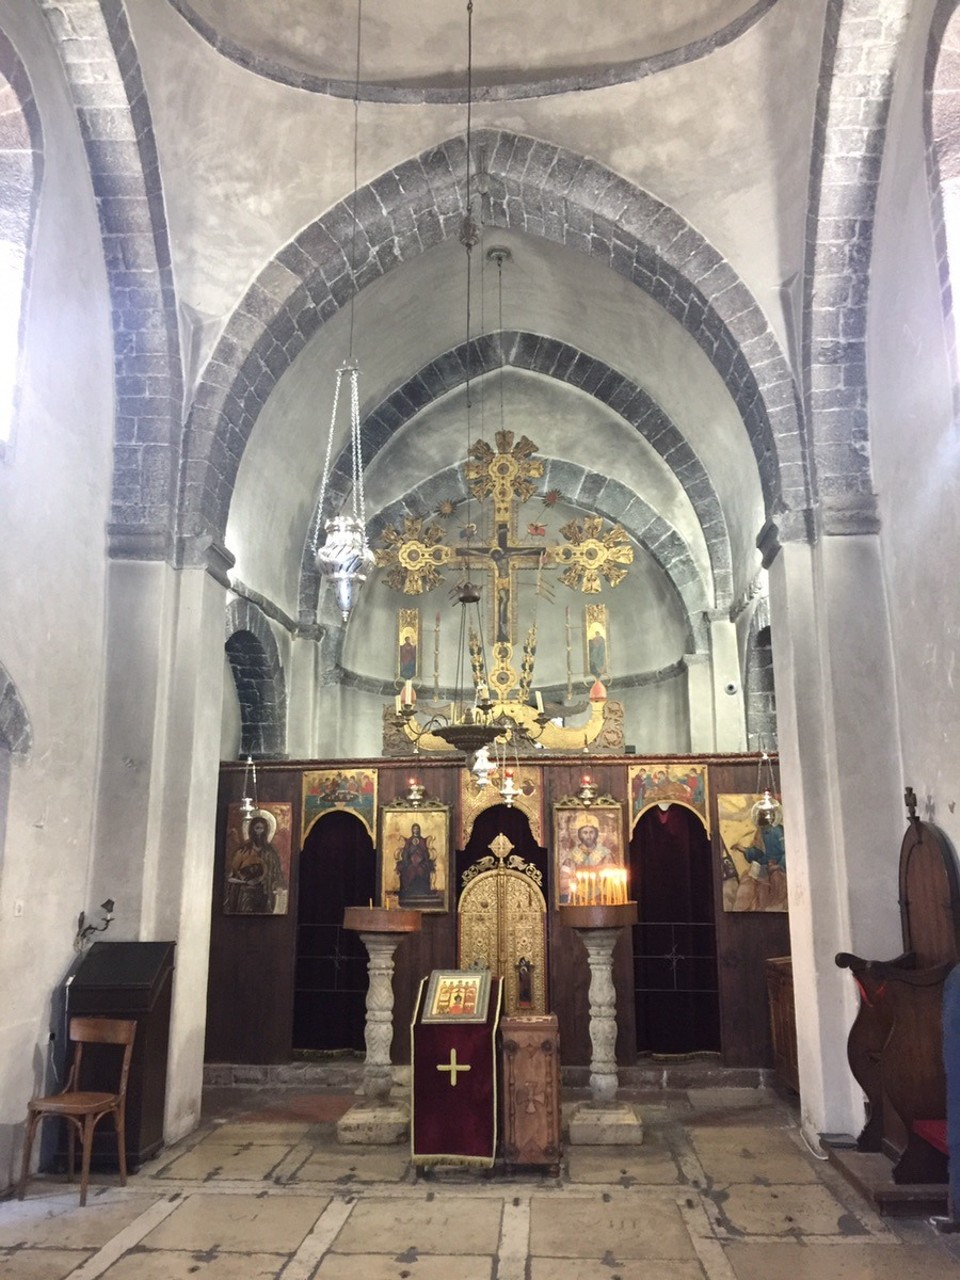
[416, 859]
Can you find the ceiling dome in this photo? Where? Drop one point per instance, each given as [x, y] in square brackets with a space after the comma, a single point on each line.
[419, 50]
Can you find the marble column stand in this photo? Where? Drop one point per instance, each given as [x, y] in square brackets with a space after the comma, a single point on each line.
[378, 1119]
[604, 1120]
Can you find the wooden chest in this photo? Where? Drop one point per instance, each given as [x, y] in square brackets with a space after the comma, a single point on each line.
[531, 1089]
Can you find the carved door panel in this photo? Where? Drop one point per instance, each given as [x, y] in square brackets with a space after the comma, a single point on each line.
[502, 926]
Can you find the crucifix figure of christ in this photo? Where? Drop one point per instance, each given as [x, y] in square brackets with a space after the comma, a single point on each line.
[415, 554]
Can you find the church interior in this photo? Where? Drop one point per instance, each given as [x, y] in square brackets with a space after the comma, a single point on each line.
[498, 457]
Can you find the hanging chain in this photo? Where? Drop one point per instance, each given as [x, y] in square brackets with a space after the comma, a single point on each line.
[326, 461]
[359, 502]
[356, 148]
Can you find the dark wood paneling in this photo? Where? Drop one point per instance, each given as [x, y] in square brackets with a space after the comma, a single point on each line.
[252, 958]
[745, 941]
[250, 981]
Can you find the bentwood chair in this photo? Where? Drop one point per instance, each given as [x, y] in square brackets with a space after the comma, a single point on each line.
[82, 1110]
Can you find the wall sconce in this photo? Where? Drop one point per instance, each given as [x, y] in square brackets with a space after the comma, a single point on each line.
[86, 931]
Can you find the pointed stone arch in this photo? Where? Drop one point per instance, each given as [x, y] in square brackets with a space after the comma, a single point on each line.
[251, 648]
[535, 188]
[560, 361]
[607, 497]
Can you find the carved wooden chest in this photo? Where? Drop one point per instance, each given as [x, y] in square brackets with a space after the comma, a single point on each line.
[531, 1090]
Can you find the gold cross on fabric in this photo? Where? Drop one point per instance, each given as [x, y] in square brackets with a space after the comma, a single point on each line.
[453, 1066]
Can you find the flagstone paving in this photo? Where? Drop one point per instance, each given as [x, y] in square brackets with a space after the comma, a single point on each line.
[723, 1188]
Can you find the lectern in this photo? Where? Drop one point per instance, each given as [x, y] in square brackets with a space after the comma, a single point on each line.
[129, 980]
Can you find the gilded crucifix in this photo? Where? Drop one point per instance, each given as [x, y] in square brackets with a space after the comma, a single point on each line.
[415, 554]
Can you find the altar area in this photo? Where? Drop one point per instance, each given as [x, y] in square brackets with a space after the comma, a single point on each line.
[689, 976]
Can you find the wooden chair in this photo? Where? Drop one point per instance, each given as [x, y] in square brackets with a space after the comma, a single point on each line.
[83, 1111]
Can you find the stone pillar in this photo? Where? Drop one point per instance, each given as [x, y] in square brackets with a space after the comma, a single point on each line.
[604, 1120]
[378, 1032]
[603, 1013]
[156, 803]
[703, 736]
[379, 1118]
[729, 707]
[842, 797]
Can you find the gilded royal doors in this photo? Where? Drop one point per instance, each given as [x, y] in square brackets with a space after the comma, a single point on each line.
[502, 926]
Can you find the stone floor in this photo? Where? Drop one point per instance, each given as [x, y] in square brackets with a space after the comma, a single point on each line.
[722, 1188]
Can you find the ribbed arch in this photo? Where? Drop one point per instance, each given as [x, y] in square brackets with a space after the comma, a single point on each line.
[97, 48]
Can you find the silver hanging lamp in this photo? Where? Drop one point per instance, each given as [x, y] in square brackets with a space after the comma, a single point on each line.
[345, 557]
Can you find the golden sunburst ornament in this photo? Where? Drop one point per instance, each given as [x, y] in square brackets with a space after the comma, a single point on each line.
[592, 554]
[414, 556]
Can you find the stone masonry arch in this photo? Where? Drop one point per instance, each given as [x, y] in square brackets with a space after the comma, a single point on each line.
[96, 48]
[261, 686]
[535, 188]
[941, 111]
[760, 695]
[554, 359]
[598, 493]
[858, 61]
[21, 157]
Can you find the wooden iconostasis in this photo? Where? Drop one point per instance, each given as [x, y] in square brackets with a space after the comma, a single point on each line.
[286, 980]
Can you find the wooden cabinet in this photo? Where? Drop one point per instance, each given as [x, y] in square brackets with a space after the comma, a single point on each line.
[783, 1021]
[531, 1090]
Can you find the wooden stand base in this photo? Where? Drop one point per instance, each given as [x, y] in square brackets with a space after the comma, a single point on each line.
[531, 1090]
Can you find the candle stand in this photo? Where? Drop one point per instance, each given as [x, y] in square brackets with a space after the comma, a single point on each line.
[378, 1119]
[604, 1120]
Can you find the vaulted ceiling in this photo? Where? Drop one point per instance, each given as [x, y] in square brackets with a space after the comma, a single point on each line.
[645, 166]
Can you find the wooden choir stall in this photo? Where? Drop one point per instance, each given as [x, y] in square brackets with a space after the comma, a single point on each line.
[895, 1047]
